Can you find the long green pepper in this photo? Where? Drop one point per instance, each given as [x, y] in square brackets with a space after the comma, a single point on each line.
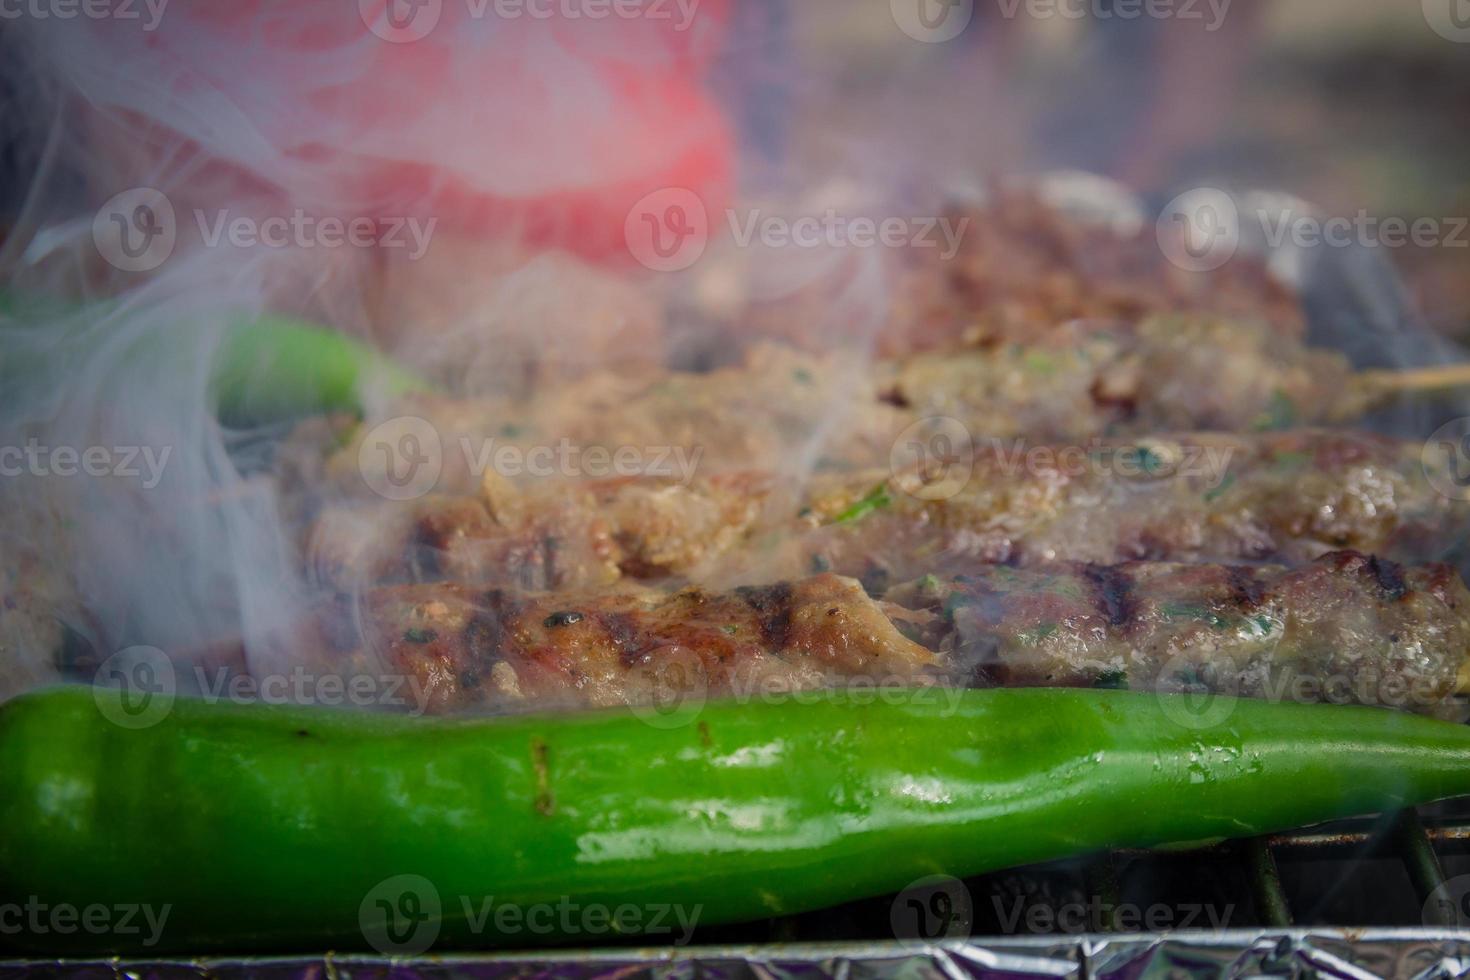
[271, 827]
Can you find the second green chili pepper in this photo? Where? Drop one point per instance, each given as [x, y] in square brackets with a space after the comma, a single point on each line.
[269, 827]
[268, 368]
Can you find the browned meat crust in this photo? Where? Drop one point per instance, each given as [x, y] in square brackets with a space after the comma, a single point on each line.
[1165, 374]
[784, 409]
[1346, 628]
[1285, 497]
[560, 536]
[466, 647]
[780, 407]
[1023, 268]
[1282, 497]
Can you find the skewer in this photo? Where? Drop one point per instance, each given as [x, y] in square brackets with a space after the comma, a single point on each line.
[1441, 377]
[1376, 387]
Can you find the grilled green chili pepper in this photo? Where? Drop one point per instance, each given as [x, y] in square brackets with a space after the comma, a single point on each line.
[268, 368]
[272, 827]
[276, 367]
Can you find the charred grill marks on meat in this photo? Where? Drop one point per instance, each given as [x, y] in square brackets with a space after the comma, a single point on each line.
[475, 649]
[1113, 592]
[1359, 628]
[1349, 627]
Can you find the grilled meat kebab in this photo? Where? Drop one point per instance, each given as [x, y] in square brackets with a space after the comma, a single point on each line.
[1023, 268]
[468, 647]
[1164, 374]
[1346, 627]
[564, 534]
[1271, 497]
[782, 409]
[1282, 497]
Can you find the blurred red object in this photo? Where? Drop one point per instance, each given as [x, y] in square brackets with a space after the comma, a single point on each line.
[534, 121]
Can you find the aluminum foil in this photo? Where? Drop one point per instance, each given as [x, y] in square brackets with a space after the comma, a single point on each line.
[1326, 953]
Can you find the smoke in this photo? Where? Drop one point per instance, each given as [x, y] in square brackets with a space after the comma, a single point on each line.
[457, 190]
[184, 168]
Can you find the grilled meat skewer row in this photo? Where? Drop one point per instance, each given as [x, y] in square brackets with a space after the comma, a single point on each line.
[1024, 266]
[1285, 497]
[562, 535]
[1166, 374]
[466, 648]
[1344, 627]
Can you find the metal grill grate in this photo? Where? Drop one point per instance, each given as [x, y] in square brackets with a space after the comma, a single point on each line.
[1389, 870]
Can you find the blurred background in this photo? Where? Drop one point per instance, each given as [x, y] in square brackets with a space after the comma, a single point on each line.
[1350, 106]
